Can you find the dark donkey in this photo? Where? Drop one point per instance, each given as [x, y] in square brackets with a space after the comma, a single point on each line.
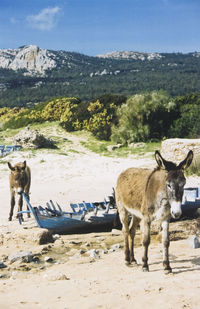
[145, 195]
[20, 180]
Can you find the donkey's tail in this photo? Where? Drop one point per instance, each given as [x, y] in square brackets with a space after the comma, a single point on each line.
[117, 223]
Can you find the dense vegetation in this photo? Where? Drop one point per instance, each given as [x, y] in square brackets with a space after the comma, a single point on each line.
[143, 117]
[89, 77]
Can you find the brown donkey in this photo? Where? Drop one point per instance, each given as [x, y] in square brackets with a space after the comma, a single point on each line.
[145, 195]
[20, 180]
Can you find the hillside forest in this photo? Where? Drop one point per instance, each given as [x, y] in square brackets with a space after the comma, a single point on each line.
[87, 78]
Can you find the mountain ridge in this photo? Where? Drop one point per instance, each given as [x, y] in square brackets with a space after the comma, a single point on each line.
[30, 74]
[34, 59]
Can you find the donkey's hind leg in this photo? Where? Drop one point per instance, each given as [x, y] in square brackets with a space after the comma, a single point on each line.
[132, 227]
[123, 214]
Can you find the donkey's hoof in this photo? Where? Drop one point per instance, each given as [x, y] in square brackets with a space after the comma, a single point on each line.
[168, 271]
[9, 219]
[133, 261]
[145, 268]
[127, 263]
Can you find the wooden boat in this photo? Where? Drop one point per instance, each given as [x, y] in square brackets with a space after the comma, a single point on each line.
[191, 202]
[84, 217]
[5, 150]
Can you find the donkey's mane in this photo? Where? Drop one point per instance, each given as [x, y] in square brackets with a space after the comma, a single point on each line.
[150, 175]
[168, 167]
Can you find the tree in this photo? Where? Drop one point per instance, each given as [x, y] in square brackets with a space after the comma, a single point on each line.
[144, 117]
[188, 124]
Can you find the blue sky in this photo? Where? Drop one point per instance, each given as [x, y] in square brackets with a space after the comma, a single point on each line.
[94, 27]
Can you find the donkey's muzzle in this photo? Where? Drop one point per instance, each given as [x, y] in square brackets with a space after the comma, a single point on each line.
[176, 215]
[176, 211]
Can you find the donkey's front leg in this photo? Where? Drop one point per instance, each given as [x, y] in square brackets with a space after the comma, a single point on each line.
[20, 202]
[12, 204]
[165, 242]
[146, 223]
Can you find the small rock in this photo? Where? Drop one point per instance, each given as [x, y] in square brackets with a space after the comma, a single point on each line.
[73, 242]
[87, 244]
[36, 259]
[101, 238]
[194, 242]
[136, 145]
[113, 147]
[33, 139]
[48, 259]
[44, 249]
[103, 251]
[115, 247]
[55, 276]
[25, 256]
[56, 236]
[75, 256]
[81, 251]
[2, 265]
[94, 253]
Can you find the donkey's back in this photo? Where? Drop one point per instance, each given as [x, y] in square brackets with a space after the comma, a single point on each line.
[130, 188]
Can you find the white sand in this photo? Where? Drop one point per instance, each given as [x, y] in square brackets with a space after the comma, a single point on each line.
[106, 283]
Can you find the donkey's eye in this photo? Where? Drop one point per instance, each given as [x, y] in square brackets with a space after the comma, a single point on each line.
[181, 184]
[169, 186]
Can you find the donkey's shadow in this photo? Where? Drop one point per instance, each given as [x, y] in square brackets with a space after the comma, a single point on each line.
[182, 269]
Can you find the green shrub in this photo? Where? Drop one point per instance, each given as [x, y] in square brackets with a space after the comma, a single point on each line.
[144, 117]
[69, 118]
[100, 120]
[194, 168]
[53, 110]
[188, 124]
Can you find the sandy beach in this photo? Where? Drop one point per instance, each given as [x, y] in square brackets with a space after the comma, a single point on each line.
[73, 277]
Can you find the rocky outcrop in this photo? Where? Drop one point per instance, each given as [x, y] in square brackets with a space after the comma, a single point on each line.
[131, 55]
[30, 58]
[176, 149]
[32, 139]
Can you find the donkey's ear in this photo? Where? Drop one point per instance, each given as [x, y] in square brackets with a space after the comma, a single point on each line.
[10, 166]
[162, 163]
[24, 164]
[159, 159]
[187, 161]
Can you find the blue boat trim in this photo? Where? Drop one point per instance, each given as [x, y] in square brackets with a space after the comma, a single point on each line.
[84, 217]
[5, 150]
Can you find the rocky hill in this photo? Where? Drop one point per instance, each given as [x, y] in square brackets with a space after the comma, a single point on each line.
[131, 55]
[30, 58]
[37, 60]
[30, 74]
